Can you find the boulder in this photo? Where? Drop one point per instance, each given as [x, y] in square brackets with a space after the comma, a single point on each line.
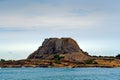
[60, 46]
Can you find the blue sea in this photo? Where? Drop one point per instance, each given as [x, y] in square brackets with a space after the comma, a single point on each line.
[59, 73]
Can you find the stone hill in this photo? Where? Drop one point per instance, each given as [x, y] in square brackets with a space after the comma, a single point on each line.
[66, 47]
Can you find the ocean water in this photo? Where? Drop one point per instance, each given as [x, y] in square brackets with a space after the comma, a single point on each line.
[60, 74]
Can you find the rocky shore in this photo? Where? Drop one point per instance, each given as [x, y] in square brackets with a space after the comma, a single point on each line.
[108, 63]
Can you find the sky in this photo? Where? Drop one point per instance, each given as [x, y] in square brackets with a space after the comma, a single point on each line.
[24, 24]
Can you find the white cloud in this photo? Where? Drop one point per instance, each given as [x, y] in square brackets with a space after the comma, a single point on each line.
[48, 21]
[51, 16]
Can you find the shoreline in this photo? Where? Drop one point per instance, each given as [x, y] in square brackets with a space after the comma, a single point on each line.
[35, 63]
[64, 67]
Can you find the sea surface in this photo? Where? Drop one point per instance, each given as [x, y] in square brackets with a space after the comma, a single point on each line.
[59, 73]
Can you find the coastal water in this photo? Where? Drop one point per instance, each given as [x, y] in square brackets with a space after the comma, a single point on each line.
[60, 74]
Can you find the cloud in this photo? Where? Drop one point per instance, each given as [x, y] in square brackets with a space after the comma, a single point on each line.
[49, 22]
[61, 16]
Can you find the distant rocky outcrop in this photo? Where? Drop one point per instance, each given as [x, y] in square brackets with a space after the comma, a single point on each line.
[66, 47]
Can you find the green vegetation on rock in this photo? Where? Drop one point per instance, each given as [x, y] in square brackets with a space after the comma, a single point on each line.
[90, 62]
[2, 60]
[118, 56]
[57, 58]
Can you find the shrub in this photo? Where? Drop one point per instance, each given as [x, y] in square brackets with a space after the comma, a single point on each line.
[57, 58]
[118, 56]
[2, 60]
[90, 62]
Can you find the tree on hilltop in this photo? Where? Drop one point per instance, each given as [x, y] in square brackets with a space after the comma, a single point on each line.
[118, 56]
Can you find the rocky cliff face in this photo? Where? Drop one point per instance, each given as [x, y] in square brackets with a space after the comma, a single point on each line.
[63, 46]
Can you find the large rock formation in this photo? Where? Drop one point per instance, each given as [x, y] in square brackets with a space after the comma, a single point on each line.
[66, 47]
